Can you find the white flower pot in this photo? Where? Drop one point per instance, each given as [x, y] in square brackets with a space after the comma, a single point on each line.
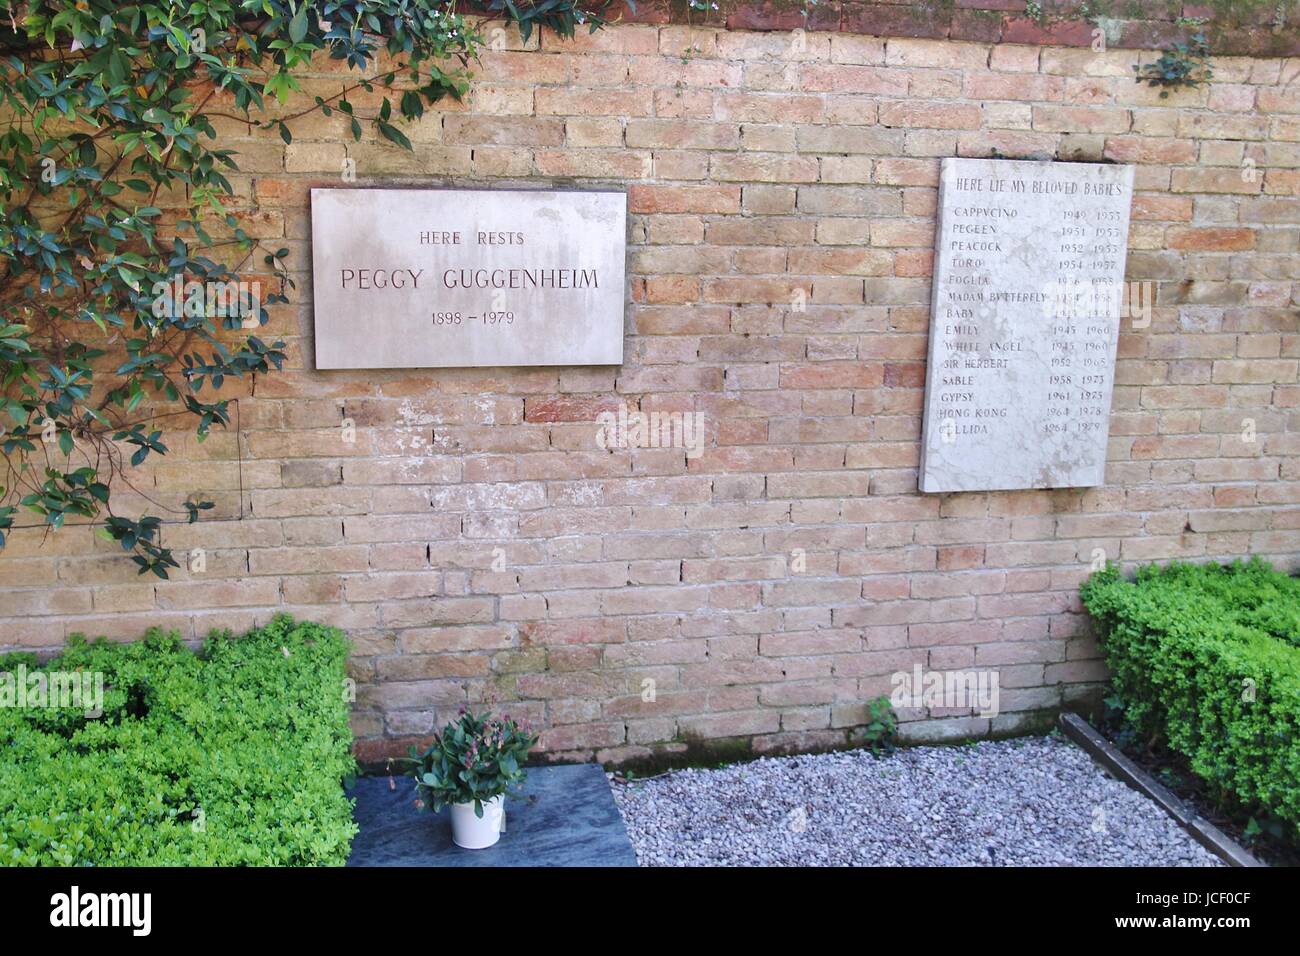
[472, 832]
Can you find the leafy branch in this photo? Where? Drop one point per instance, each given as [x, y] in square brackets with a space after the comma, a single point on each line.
[113, 182]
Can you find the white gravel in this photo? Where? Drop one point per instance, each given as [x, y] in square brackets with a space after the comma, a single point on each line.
[1030, 801]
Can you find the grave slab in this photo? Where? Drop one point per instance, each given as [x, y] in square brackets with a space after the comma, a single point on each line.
[565, 817]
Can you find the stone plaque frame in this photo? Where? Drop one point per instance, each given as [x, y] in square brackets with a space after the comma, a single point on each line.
[1027, 297]
[468, 278]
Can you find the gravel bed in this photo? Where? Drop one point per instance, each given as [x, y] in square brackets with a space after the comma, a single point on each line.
[1029, 801]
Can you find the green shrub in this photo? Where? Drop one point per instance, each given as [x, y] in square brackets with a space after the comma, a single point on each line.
[881, 728]
[235, 755]
[1208, 656]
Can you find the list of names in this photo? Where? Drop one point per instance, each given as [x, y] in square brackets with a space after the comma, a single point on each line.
[1027, 301]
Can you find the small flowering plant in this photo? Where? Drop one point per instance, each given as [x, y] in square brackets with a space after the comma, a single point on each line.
[475, 758]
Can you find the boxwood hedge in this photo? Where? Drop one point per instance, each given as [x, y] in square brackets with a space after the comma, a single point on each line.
[233, 755]
[1208, 656]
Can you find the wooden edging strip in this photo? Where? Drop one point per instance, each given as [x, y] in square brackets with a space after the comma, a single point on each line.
[1122, 768]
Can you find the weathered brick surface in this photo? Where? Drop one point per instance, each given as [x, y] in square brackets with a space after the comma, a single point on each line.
[1263, 30]
[477, 543]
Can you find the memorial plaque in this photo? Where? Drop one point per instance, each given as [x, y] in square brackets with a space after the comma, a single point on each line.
[1028, 294]
[444, 278]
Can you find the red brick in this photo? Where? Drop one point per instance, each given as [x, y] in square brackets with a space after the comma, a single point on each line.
[1211, 239]
[1051, 33]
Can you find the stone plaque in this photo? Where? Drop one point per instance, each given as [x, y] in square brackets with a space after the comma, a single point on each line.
[443, 278]
[1028, 294]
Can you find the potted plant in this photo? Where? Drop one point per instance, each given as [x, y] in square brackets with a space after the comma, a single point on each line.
[471, 766]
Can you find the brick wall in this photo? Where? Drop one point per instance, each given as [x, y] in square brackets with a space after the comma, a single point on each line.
[467, 531]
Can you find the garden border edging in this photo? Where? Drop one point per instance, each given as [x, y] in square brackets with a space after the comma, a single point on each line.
[1122, 768]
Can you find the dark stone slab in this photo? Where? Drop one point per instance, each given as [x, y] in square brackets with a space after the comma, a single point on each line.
[565, 817]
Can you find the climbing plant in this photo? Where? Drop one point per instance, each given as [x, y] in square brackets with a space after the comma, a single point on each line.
[1182, 66]
[119, 312]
